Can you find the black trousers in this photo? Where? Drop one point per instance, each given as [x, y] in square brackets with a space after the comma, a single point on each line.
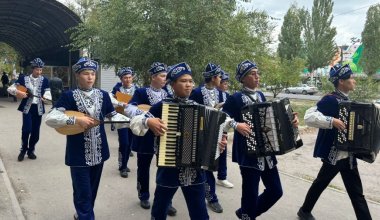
[351, 180]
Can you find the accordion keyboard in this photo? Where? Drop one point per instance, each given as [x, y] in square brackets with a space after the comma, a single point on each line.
[168, 142]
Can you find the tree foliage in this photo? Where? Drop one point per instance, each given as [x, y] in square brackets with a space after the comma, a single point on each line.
[318, 35]
[8, 58]
[139, 32]
[290, 45]
[281, 74]
[371, 41]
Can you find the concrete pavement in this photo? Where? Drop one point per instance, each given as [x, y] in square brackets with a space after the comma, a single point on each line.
[41, 189]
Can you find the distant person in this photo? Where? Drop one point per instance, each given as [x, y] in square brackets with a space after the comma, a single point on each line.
[5, 79]
[125, 86]
[31, 106]
[5, 82]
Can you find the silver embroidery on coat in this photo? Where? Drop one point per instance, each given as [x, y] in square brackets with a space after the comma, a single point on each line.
[92, 137]
[210, 97]
[187, 176]
[155, 97]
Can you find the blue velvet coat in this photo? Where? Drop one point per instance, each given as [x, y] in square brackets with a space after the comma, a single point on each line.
[42, 84]
[324, 145]
[146, 96]
[89, 148]
[200, 96]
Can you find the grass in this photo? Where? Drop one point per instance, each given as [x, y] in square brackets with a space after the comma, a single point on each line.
[301, 106]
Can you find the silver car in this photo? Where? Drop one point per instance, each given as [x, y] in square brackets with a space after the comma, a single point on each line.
[302, 89]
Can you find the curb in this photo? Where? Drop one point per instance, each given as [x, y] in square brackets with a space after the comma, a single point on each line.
[15, 204]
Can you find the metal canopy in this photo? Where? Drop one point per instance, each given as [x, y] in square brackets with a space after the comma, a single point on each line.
[36, 28]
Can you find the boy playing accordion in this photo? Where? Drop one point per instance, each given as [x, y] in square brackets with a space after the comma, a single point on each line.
[191, 180]
[252, 168]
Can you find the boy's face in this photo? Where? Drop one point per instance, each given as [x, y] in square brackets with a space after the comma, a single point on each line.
[216, 80]
[127, 80]
[347, 84]
[36, 71]
[252, 79]
[159, 79]
[86, 79]
[183, 86]
[223, 85]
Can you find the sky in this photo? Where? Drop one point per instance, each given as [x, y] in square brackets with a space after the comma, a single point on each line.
[349, 15]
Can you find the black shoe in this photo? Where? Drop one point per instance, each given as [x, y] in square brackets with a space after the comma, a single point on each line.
[21, 156]
[172, 211]
[32, 156]
[124, 173]
[305, 215]
[127, 169]
[215, 207]
[145, 204]
[76, 216]
[131, 154]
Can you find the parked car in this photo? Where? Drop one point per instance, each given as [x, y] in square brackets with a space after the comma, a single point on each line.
[302, 89]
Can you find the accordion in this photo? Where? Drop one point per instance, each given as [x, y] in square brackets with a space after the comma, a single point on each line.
[192, 138]
[362, 133]
[272, 129]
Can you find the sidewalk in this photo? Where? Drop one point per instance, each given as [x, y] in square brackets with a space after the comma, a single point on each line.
[43, 187]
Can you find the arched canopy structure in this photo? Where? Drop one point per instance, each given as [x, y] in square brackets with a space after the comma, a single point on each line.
[36, 28]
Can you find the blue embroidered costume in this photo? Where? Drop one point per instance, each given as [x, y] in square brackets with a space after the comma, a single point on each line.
[32, 108]
[334, 160]
[252, 168]
[86, 151]
[125, 134]
[144, 146]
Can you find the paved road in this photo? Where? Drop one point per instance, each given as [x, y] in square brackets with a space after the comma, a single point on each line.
[43, 187]
[295, 96]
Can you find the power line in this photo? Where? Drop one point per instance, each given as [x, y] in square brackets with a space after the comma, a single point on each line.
[367, 6]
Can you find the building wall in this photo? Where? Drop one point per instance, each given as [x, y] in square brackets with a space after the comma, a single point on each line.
[108, 78]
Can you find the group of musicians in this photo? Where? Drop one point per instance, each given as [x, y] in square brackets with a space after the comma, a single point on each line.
[87, 151]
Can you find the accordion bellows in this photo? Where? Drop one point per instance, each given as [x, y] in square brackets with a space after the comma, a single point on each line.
[272, 129]
[362, 133]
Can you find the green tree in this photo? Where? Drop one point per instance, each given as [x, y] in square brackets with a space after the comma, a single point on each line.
[8, 58]
[290, 45]
[319, 36]
[281, 74]
[371, 41]
[138, 32]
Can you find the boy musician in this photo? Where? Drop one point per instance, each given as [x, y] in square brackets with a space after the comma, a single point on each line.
[209, 95]
[86, 151]
[168, 180]
[31, 106]
[126, 86]
[325, 117]
[144, 146]
[252, 168]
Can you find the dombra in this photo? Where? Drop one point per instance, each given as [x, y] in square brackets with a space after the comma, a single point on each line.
[77, 129]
